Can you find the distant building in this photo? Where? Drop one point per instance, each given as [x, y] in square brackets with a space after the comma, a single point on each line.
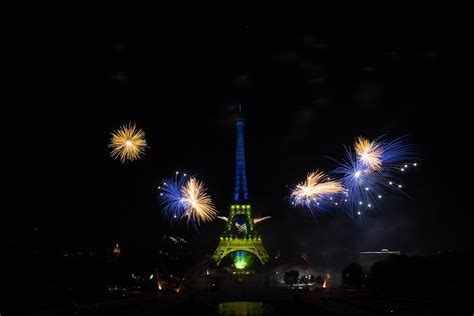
[116, 251]
[368, 258]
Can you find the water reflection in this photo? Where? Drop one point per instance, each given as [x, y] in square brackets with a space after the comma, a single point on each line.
[243, 308]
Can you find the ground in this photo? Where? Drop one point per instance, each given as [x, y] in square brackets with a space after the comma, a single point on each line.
[246, 298]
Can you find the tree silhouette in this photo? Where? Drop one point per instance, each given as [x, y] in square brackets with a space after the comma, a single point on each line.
[353, 275]
[291, 277]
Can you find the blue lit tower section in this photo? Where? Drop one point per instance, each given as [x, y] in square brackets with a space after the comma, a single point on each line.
[240, 189]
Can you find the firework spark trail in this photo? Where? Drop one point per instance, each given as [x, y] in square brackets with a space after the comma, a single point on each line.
[261, 219]
[314, 189]
[128, 143]
[241, 228]
[397, 153]
[198, 204]
[255, 220]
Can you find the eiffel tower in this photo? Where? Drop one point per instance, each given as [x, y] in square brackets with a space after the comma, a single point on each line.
[240, 239]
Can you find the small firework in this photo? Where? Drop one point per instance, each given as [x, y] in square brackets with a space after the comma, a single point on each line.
[198, 205]
[128, 143]
[224, 218]
[316, 188]
[241, 228]
[369, 153]
[261, 219]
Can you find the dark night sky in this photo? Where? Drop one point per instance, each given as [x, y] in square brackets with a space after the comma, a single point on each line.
[309, 79]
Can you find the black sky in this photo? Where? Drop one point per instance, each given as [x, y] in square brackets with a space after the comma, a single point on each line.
[309, 79]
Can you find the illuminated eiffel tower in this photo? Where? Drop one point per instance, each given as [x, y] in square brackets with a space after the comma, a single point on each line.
[240, 239]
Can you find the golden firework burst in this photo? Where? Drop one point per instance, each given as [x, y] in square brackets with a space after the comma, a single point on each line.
[370, 153]
[315, 187]
[128, 143]
[198, 204]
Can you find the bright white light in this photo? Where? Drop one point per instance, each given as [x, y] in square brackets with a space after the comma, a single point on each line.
[367, 189]
[370, 205]
[177, 172]
[184, 175]
[403, 169]
[128, 143]
[390, 183]
[360, 203]
[161, 194]
[358, 213]
[400, 186]
[406, 166]
[330, 198]
[335, 203]
[415, 164]
[345, 200]
[380, 196]
[357, 174]
[151, 276]
[306, 191]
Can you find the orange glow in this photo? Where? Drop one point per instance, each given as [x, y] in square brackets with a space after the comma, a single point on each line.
[116, 250]
[325, 284]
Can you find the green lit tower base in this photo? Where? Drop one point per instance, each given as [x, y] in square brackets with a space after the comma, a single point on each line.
[240, 239]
